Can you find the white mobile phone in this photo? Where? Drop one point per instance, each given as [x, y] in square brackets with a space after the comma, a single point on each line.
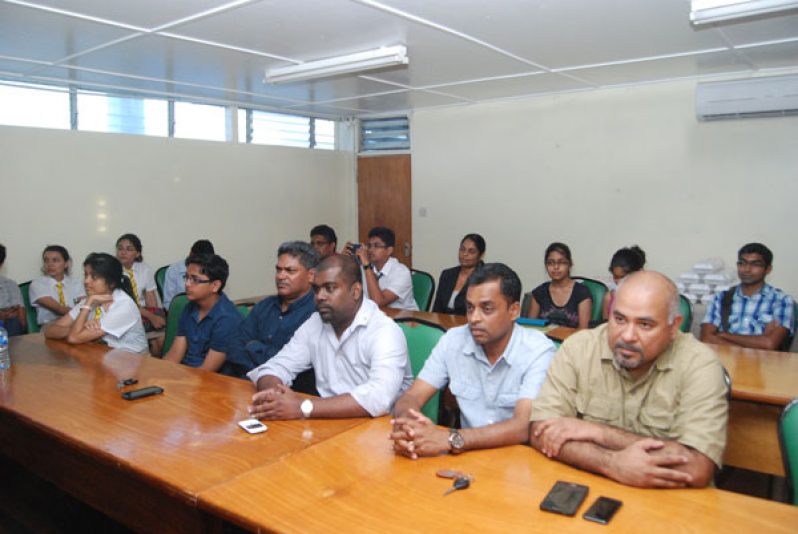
[253, 426]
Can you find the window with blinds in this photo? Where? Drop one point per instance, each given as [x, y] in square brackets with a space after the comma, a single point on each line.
[100, 112]
[264, 128]
[391, 133]
[33, 105]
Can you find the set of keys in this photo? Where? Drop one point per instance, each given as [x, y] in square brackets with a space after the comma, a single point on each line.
[461, 480]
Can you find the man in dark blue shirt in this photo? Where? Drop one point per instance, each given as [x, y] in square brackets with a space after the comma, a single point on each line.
[273, 321]
[209, 319]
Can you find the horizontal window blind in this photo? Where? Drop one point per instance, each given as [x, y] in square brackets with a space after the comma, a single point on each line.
[391, 133]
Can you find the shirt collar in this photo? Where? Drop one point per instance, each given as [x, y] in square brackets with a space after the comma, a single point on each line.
[301, 302]
[765, 290]
[215, 311]
[471, 348]
[386, 269]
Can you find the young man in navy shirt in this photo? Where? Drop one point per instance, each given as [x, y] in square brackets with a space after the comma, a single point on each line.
[209, 319]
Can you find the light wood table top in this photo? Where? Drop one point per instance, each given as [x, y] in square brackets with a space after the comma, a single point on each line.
[143, 462]
[354, 482]
[761, 376]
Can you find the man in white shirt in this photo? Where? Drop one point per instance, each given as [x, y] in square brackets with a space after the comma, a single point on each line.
[359, 355]
[386, 280]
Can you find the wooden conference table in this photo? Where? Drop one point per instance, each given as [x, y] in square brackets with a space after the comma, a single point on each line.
[178, 461]
[354, 482]
[142, 462]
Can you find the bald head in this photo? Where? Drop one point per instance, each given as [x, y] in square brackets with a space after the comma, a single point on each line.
[350, 271]
[652, 286]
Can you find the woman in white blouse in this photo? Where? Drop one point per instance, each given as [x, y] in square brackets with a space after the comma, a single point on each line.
[54, 294]
[108, 313]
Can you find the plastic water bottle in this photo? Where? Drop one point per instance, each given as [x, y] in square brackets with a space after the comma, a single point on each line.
[5, 357]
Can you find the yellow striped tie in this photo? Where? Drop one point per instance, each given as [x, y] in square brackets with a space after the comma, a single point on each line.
[133, 283]
[61, 299]
[97, 311]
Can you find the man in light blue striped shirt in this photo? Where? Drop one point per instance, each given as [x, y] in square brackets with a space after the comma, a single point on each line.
[755, 314]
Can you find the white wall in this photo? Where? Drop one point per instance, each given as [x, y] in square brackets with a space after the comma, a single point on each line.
[246, 198]
[601, 170]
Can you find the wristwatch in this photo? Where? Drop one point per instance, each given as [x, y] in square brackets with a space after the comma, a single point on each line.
[368, 266]
[456, 441]
[306, 408]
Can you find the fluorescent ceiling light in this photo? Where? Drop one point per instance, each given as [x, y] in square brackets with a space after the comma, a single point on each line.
[708, 11]
[389, 56]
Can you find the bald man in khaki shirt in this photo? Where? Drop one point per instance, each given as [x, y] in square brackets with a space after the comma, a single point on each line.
[636, 400]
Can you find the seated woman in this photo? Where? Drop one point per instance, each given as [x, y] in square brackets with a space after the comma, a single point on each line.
[625, 261]
[108, 313]
[142, 279]
[562, 301]
[452, 284]
[54, 294]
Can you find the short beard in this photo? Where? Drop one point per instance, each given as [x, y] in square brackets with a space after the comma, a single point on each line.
[625, 362]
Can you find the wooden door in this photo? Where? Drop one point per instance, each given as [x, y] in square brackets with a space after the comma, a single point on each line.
[383, 199]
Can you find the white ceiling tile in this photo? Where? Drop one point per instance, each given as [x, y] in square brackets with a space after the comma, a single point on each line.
[773, 56]
[321, 109]
[567, 32]
[664, 69]
[512, 87]
[34, 34]
[398, 101]
[762, 29]
[143, 13]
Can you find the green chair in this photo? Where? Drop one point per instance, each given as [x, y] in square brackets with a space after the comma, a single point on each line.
[421, 339]
[597, 292]
[30, 311]
[686, 309]
[244, 310]
[526, 303]
[172, 320]
[160, 276]
[788, 440]
[423, 289]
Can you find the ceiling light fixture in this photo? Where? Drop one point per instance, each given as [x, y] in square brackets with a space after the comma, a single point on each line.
[389, 56]
[709, 11]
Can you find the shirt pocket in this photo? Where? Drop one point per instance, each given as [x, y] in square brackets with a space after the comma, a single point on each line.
[597, 409]
[658, 420]
[506, 400]
[464, 390]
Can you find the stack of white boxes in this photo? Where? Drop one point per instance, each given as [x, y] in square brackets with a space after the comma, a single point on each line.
[704, 281]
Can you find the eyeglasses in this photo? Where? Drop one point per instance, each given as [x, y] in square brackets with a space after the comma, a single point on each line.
[375, 245]
[194, 280]
[555, 263]
[756, 264]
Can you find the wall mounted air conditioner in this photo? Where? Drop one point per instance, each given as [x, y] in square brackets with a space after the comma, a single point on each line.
[773, 96]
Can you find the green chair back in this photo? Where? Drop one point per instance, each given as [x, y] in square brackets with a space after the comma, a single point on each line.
[160, 276]
[244, 310]
[686, 309]
[172, 320]
[597, 292]
[423, 289]
[421, 339]
[526, 303]
[30, 311]
[788, 440]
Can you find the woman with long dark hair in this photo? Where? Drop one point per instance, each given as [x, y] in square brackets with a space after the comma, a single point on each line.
[453, 282]
[562, 301]
[108, 312]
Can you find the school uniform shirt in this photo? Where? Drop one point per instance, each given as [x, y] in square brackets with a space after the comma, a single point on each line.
[47, 286]
[395, 277]
[369, 361]
[144, 279]
[121, 323]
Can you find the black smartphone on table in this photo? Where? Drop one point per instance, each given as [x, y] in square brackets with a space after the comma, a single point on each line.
[564, 498]
[602, 510]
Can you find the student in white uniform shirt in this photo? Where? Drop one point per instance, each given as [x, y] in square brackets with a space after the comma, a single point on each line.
[108, 313]
[359, 355]
[142, 279]
[54, 294]
[386, 280]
